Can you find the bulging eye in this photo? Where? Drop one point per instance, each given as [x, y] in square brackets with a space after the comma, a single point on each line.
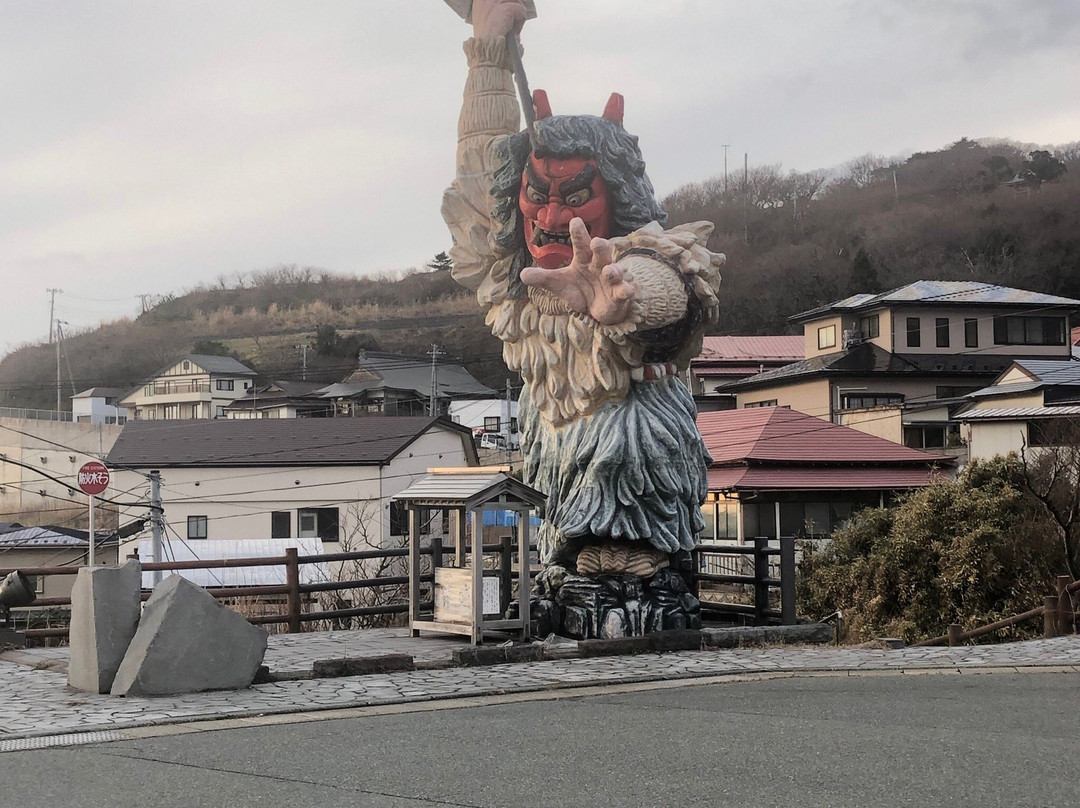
[579, 198]
[535, 196]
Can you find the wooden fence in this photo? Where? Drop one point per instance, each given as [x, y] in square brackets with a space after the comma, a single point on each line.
[1057, 612]
[294, 615]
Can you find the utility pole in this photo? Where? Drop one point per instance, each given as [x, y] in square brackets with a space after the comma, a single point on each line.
[746, 197]
[433, 403]
[60, 347]
[895, 187]
[725, 147]
[144, 303]
[509, 434]
[155, 523]
[57, 343]
[52, 309]
[303, 360]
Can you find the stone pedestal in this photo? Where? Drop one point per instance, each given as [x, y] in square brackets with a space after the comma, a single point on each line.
[105, 609]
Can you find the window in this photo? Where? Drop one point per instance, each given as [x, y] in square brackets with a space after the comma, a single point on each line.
[941, 330]
[187, 366]
[1029, 330]
[317, 523]
[219, 412]
[914, 332]
[281, 525]
[721, 516]
[225, 384]
[194, 410]
[399, 519]
[767, 403]
[870, 326]
[196, 527]
[170, 412]
[826, 337]
[971, 332]
[513, 426]
[1052, 432]
[491, 424]
[863, 400]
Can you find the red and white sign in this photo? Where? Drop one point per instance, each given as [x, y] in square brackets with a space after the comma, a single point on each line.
[93, 478]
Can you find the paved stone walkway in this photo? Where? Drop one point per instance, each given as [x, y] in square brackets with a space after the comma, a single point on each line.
[37, 702]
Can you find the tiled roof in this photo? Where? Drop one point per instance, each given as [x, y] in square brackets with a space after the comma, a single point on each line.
[371, 440]
[471, 487]
[45, 536]
[944, 293]
[751, 349]
[777, 434]
[1050, 371]
[407, 373]
[101, 392]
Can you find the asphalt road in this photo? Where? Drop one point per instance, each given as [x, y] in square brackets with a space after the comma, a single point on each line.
[988, 740]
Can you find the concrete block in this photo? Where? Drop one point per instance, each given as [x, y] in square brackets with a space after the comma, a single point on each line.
[615, 647]
[677, 640]
[363, 666]
[479, 655]
[105, 609]
[188, 642]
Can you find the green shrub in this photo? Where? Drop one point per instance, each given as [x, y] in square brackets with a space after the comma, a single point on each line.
[969, 551]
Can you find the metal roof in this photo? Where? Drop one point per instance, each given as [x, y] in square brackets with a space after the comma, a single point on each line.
[45, 536]
[197, 549]
[782, 348]
[1005, 389]
[215, 364]
[870, 359]
[942, 293]
[1017, 413]
[1052, 371]
[470, 490]
[785, 478]
[407, 373]
[101, 392]
[777, 434]
[365, 441]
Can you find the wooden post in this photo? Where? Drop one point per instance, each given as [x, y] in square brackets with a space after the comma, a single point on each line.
[414, 571]
[478, 577]
[1066, 622]
[436, 552]
[506, 570]
[458, 525]
[787, 581]
[1050, 607]
[292, 580]
[955, 632]
[761, 572]
[524, 579]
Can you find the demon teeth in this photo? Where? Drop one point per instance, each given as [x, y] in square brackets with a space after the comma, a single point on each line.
[543, 237]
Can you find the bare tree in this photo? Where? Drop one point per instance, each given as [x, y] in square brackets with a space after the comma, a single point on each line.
[1050, 460]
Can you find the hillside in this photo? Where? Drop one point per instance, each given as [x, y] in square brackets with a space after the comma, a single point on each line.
[793, 240]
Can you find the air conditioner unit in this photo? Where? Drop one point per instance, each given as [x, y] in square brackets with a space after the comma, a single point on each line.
[852, 336]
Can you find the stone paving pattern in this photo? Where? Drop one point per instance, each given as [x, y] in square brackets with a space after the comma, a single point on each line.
[36, 701]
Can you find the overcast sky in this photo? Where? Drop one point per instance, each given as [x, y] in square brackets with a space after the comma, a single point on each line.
[146, 146]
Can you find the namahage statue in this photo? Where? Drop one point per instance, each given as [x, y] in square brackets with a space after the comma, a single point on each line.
[558, 232]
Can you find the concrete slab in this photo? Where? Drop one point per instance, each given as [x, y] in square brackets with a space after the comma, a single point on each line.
[187, 642]
[105, 606]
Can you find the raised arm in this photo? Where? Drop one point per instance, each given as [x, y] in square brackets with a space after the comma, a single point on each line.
[489, 111]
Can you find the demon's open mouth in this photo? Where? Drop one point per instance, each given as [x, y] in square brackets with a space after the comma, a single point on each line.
[542, 237]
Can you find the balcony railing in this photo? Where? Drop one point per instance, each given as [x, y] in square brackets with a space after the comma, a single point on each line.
[170, 388]
[34, 415]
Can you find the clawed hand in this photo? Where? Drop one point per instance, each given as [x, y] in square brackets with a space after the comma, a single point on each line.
[592, 283]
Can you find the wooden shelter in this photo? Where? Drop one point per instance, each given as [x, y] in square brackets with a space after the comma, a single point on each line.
[460, 586]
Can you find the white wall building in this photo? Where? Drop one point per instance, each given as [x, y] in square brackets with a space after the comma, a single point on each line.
[487, 415]
[98, 405]
[326, 478]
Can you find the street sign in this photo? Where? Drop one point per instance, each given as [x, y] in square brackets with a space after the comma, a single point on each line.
[93, 478]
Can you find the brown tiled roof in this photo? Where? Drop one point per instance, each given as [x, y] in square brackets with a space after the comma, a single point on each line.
[367, 441]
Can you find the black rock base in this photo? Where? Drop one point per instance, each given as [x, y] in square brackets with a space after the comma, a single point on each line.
[610, 606]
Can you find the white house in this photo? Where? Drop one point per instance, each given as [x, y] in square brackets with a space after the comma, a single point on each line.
[98, 405]
[194, 386]
[326, 478]
[487, 415]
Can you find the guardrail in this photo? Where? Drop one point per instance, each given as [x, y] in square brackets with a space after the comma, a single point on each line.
[35, 415]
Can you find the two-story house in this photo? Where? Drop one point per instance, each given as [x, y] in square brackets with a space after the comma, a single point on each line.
[898, 364]
[281, 399]
[98, 405]
[193, 386]
[388, 384]
[725, 359]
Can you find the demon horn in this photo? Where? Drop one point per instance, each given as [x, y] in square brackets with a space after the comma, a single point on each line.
[541, 104]
[614, 110]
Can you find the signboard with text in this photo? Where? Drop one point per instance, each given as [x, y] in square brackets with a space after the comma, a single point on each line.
[93, 478]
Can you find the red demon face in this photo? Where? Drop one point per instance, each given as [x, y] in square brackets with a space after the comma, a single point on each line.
[554, 191]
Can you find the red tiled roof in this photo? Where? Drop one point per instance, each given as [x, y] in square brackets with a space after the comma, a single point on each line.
[1074, 336]
[749, 349]
[777, 434]
[801, 478]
